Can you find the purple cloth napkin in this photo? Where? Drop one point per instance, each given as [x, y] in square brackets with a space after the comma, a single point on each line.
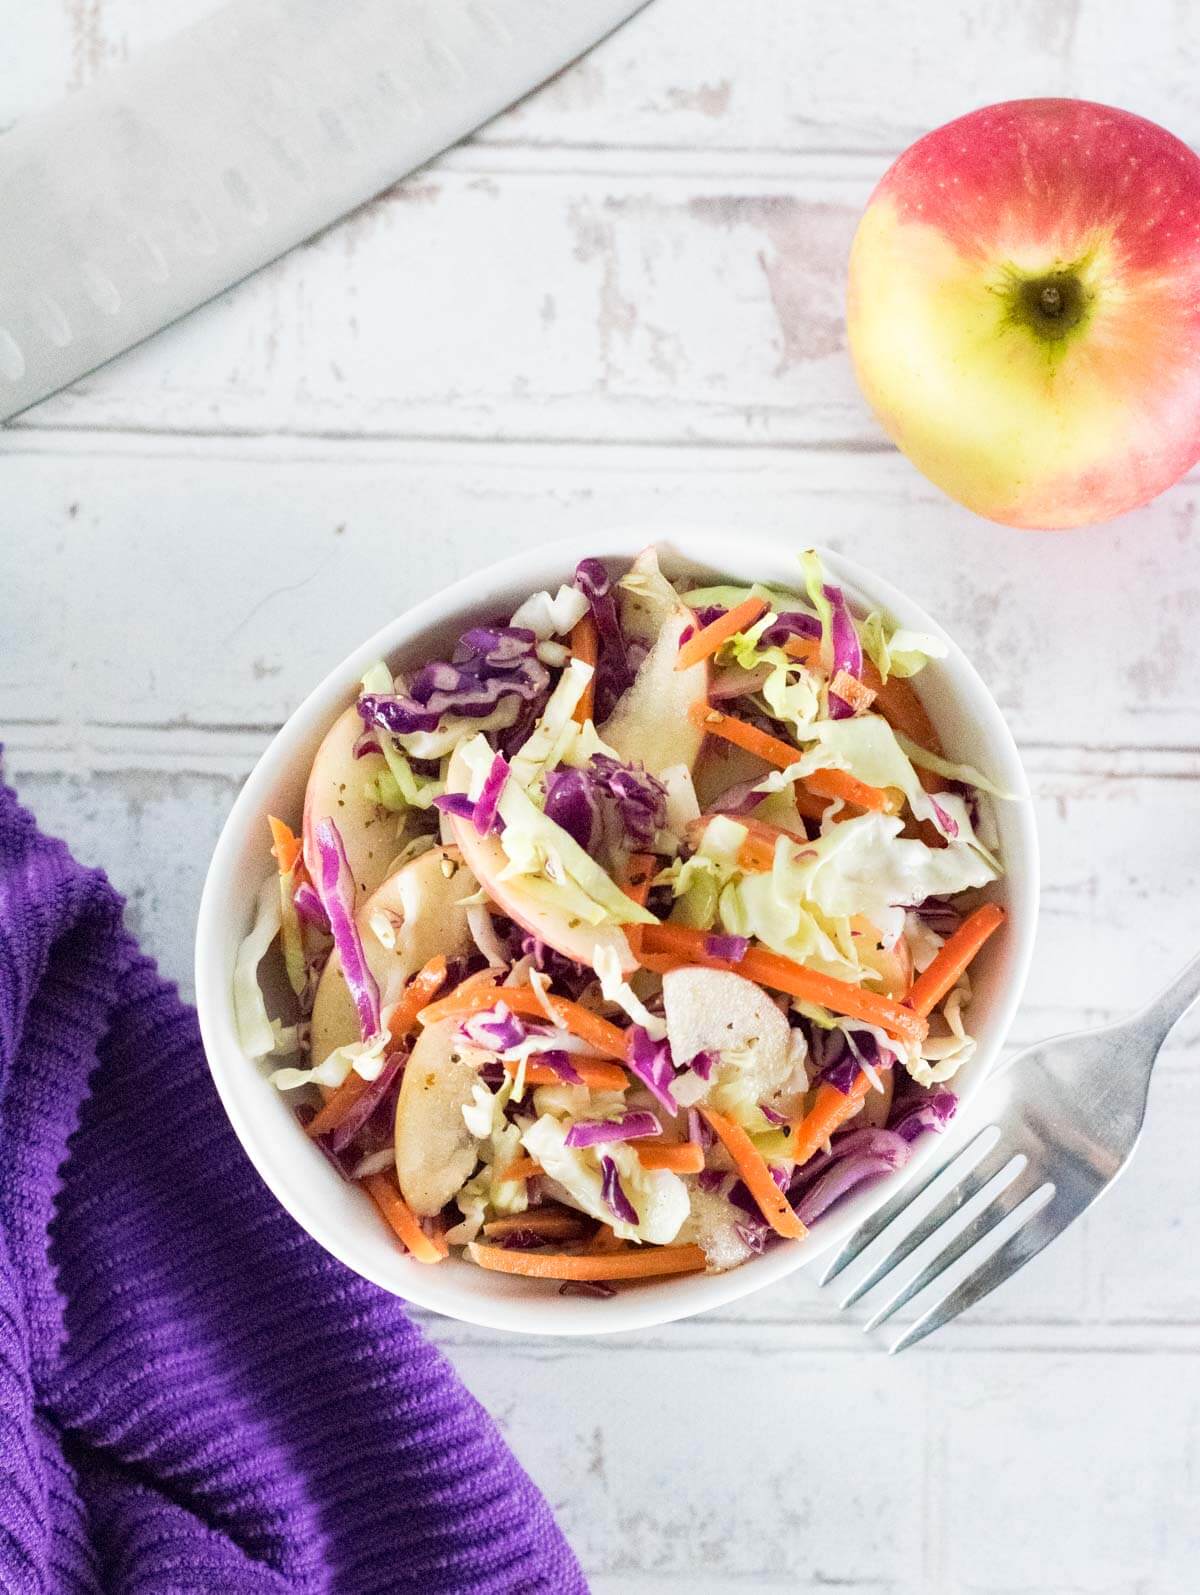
[193, 1396]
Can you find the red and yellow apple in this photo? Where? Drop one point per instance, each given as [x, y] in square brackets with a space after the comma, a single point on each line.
[1024, 310]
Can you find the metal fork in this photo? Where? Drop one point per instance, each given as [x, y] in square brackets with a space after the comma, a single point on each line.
[1059, 1123]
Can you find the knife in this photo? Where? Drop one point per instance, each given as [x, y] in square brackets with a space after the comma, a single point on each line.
[167, 182]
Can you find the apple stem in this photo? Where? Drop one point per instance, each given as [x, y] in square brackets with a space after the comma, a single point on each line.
[1052, 300]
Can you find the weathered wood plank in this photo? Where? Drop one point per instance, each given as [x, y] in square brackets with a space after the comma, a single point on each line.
[471, 303]
[255, 566]
[769, 74]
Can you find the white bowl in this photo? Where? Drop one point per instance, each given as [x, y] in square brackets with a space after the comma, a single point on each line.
[341, 1217]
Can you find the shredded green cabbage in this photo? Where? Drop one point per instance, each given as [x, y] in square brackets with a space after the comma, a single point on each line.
[896, 651]
[258, 1034]
[659, 1197]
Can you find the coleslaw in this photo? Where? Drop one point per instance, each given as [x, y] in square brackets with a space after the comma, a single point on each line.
[634, 936]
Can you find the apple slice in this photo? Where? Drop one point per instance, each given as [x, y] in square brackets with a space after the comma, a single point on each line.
[419, 912]
[335, 790]
[435, 1152]
[714, 1010]
[650, 724]
[486, 860]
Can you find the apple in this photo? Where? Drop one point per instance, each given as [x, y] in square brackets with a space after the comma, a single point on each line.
[435, 1151]
[487, 861]
[336, 790]
[1024, 310]
[420, 908]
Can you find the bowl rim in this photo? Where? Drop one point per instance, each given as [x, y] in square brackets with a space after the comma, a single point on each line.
[538, 567]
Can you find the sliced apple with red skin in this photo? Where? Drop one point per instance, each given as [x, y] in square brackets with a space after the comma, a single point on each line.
[649, 724]
[487, 860]
[336, 791]
[420, 910]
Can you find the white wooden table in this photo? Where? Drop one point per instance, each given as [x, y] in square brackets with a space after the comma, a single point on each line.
[623, 301]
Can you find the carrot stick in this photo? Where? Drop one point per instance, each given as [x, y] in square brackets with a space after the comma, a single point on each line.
[952, 959]
[418, 994]
[683, 1157]
[730, 729]
[581, 1022]
[806, 649]
[595, 1075]
[403, 1221]
[830, 1110]
[709, 638]
[337, 1105]
[286, 845]
[521, 1168]
[585, 645]
[642, 1263]
[639, 872]
[821, 783]
[831, 783]
[784, 974]
[752, 1166]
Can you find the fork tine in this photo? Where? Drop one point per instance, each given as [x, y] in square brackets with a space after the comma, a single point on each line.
[871, 1228]
[998, 1207]
[1025, 1242]
[958, 1194]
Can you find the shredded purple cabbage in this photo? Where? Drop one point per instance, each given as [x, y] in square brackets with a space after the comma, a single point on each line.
[613, 1193]
[572, 801]
[558, 1059]
[753, 1236]
[652, 1064]
[710, 1180]
[856, 1157]
[629, 1127]
[792, 623]
[309, 907]
[940, 915]
[932, 1112]
[771, 1115]
[847, 650]
[613, 669]
[704, 1063]
[376, 1093]
[496, 1029]
[491, 663]
[698, 1129]
[456, 803]
[486, 817]
[335, 885]
[731, 948]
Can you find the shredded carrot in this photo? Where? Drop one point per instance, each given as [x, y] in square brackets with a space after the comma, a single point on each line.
[830, 783]
[682, 1157]
[640, 1263]
[784, 974]
[337, 1105]
[425, 1248]
[286, 846]
[753, 1168]
[852, 691]
[806, 649]
[830, 1110]
[581, 1022]
[418, 994]
[639, 872]
[521, 1168]
[595, 1075]
[820, 784]
[709, 638]
[554, 1223]
[952, 958]
[585, 645]
[730, 729]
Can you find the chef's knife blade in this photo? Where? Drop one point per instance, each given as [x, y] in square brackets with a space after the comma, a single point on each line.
[135, 201]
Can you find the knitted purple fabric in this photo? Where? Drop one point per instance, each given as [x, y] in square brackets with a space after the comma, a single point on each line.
[193, 1396]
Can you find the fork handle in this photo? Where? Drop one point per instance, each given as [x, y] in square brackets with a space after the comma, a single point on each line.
[1170, 1005]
